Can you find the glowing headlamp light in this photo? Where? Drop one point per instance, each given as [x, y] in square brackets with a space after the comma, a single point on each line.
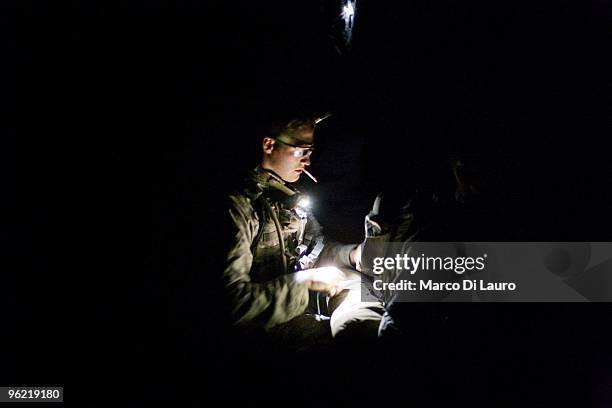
[304, 203]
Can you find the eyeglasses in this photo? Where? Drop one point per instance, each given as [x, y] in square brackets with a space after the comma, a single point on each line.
[299, 150]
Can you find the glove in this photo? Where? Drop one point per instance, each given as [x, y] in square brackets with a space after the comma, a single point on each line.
[376, 232]
[374, 226]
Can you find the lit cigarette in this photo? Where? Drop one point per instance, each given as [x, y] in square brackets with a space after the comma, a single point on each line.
[322, 118]
[310, 175]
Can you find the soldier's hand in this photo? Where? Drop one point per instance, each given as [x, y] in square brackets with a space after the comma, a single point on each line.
[327, 289]
[325, 280]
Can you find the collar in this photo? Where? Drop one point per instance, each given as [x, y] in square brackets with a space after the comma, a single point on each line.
[264, 180]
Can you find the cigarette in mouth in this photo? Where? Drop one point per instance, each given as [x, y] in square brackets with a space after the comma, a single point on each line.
[310, 175]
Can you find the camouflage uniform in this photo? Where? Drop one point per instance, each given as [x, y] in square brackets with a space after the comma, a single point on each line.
[260, 285]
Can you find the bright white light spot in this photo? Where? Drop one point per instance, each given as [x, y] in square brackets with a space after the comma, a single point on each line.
[304, 202]
[348, 12]
[348, 15]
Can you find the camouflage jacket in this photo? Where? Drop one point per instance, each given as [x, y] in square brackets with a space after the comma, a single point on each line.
[260, 287]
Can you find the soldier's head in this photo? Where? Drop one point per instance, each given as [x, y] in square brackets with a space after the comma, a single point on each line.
[287, 146]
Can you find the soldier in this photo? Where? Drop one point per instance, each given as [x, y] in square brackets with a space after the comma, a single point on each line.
[275, 241]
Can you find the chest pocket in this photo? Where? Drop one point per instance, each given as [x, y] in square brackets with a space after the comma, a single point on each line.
[291, 228]
[267, 254]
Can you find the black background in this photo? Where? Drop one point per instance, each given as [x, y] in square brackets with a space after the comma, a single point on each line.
[128, 120]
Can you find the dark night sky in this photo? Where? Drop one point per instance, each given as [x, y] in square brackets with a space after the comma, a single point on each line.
[147, 109]
[524, 86]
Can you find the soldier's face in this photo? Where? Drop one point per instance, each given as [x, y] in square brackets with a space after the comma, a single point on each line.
[287, 156]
